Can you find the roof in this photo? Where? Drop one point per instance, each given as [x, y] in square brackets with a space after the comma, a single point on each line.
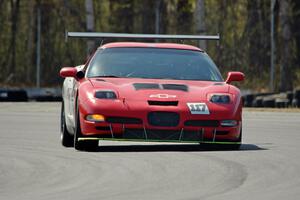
[151, 45]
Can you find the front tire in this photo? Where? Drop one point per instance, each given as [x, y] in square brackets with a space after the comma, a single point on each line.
[82, 145]
[65, 137]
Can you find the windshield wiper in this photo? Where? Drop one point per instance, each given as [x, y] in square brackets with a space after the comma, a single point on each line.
[106, 76]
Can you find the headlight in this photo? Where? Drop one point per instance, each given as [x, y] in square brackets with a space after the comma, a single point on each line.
[105, 94]
[220, 98]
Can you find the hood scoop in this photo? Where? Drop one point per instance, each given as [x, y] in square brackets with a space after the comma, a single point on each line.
[99, 79]
[145, 86]
[219, 84]
[175, 87]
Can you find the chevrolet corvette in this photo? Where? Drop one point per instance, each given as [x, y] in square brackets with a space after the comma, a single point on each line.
[149, 92]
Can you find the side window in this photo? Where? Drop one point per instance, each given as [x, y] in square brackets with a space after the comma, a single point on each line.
[91, 60]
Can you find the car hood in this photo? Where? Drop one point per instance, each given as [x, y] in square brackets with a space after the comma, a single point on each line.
[159, 89]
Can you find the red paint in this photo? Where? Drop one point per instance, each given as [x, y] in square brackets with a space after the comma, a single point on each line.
[68, 72]
[234, 76]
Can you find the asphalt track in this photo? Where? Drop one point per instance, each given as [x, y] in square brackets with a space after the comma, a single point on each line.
[33, 164]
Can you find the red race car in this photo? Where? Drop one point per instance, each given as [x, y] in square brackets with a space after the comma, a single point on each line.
[149, 92]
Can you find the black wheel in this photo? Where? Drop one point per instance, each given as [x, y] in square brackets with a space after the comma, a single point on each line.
[82, 145]
[65, 137]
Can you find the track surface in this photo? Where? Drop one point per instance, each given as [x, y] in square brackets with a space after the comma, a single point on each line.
[33, 164]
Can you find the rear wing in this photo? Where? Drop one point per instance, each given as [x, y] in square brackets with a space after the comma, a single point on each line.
[139, 36]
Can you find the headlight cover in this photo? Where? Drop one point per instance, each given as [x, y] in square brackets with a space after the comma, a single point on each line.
[95, 118]
[105, 94]
[220, 98]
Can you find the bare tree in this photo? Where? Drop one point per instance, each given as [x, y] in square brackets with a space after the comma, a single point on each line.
[157, 16]
[171, 16]
[200, 22]
[15, 5]
[90, 26]
[286, 80]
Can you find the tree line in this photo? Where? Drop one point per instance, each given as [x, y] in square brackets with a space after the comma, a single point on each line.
[244, 27]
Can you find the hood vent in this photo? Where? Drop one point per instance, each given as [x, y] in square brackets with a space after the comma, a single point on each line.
[163, 103]
[99, 79]
[175, 87]
[141, 86]
[219, 84]
[145, 86]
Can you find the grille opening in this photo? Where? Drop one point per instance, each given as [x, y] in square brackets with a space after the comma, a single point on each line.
[162, 134]
[123, 120]
[202, 123]
[102, 128]
[222, 132]
[161, 118]
[163, 103]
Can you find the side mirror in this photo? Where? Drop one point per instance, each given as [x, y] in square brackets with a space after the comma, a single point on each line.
[234, 76]
[71, 72]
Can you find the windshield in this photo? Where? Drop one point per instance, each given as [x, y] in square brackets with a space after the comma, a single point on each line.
[153, 63]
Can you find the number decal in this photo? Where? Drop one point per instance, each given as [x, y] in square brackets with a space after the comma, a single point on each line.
[198, 108]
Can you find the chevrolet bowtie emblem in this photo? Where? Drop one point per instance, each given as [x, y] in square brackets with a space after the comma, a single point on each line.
[162, 96]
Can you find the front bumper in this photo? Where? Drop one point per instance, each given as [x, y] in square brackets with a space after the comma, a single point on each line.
[147, 132]
[136, 124]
